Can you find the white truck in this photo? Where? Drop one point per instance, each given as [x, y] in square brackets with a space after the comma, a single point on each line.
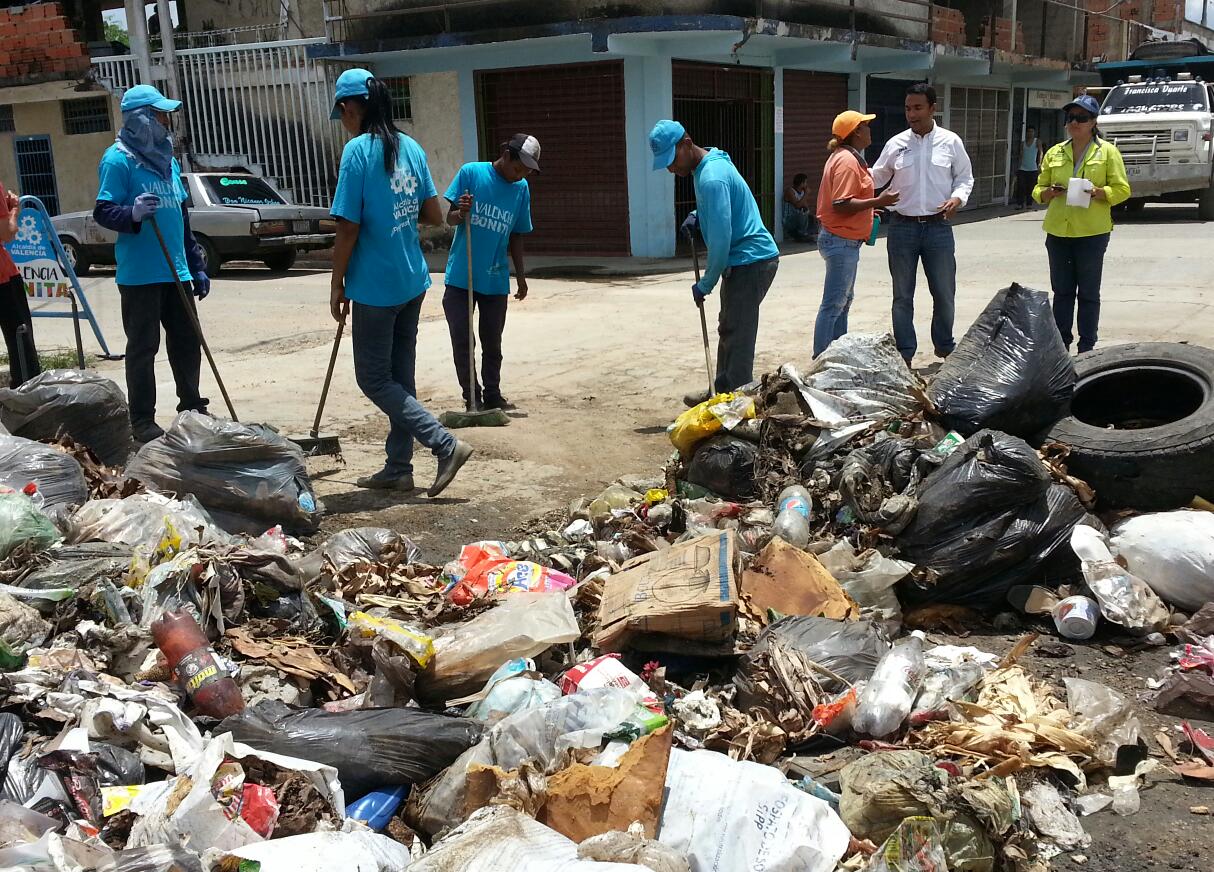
[1163, 128]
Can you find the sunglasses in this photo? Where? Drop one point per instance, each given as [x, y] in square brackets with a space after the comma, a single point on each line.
[1079, 118]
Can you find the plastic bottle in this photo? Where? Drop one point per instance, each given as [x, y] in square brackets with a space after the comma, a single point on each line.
[202, 676]
[890, 694]
[792, 518]
[1076, 617]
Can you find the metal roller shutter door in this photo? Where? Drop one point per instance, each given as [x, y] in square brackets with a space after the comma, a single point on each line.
[811, 102]
[579, 202]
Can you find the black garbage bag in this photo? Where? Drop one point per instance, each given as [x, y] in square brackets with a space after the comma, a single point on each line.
[987, 519]
[1010, 372]
[58, 477]
[880, 482]
[370, 748]
[246, 475]
[11, 733]
[78, 566]
[848, 649]
[88, 407]
[726, 466]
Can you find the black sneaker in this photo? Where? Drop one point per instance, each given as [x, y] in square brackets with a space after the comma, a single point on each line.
[145, 431]
[449, 466]
[499, 403]
[942, 353]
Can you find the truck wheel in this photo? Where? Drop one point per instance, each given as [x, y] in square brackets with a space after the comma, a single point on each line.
[1205, 205]
[280, 261]
[76, 257]
[1141, 429]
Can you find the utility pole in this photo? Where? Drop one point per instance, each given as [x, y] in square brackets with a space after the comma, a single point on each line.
[137, 31]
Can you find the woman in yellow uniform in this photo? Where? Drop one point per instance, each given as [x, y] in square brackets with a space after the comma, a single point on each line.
[1077, 235]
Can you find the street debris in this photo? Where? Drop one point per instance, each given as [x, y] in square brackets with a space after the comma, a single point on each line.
[732, 663]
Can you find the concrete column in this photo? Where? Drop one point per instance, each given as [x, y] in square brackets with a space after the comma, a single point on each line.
[137, 28]
[857, 91]
[648, 98]
[778, 154]
[467, 115]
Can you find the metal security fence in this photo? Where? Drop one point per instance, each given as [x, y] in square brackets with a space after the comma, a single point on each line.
[266, 104]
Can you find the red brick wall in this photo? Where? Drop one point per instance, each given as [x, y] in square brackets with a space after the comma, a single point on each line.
[948, 26]
[999, 35]
[37, 44]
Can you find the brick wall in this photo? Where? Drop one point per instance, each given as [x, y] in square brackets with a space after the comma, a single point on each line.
[997, 33]
[948, 26]
[37, 44]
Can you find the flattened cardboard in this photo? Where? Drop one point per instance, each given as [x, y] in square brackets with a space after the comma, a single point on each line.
[793, 582]
[688, 591]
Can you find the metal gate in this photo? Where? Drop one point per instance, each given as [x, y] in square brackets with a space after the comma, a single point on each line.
[579, 202]
[733, 109]
[36, 170]
[266, 104]
[980, 117]
[811, 102]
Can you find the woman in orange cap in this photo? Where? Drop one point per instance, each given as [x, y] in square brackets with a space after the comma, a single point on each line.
[845, 216]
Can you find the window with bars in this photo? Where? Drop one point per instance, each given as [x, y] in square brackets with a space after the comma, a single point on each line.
[980, 117]
[7, 125]
[398, 87]
[91, 115]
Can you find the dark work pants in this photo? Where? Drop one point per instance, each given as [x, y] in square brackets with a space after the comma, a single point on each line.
[14, 313]
[145, 308]
[1026, 180]
[742, 291]
[490, 326]
[1076, 268]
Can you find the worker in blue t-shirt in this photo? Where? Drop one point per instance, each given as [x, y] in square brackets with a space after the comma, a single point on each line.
[380, 277]
[140, 178]
[497, 199]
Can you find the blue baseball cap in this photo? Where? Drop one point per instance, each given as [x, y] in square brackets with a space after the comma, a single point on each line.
[1087, 103]
[351, 83]
[663, 139]
[145, 95]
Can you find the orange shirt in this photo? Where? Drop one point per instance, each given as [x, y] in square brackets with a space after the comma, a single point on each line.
[845, 178]
[8, 269]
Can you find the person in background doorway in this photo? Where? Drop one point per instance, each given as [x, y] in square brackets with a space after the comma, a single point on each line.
[1027, 167]
[23, 362]
[1078, 236]
[139, 179]
[845, 216]
[380, 276]
[797, 221]
[931, 172]
[741, 253]
[498, 199]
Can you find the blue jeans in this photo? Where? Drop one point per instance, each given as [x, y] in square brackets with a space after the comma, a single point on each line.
[385, 357]
[842, 258]
[1076, 268]
[932, 241]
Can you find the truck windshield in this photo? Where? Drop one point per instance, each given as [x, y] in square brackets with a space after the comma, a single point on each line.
[1156, 97]
[241, 191]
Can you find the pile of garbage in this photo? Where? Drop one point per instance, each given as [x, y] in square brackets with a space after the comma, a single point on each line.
[702, 670]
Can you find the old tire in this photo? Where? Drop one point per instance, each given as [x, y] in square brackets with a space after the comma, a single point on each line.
[1205, 205]
[280, 261]
[1141, 428]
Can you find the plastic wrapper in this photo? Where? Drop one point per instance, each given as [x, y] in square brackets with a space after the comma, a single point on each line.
[358, 545]
[412, 641]
[988, 518]
[369, 749]
[154, 858]
[869, 578]
[86, 406]
[523, 625]
[860, 377]
[709, 417]
[945, 683]
[1173, 552]
[248, 476]
[23, 526]
[726, 466]
[145, 521]
[1102, 715]
[1124, 598]
[608, 671]
[486, 569]
[1010, 372]
[514, 687]
[58, 477]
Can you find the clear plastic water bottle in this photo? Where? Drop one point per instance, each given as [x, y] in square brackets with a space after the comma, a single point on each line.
[890, 694]
[792, 516]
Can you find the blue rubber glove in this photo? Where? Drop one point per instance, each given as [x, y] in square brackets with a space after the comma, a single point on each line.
[202, 285]
[698, 294]
[145, 205]
[690, 224]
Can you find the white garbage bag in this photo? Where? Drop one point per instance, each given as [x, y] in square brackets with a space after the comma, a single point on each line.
[1173, 552]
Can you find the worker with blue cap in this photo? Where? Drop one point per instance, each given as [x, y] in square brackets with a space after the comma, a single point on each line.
[139, 179]
[741, 253]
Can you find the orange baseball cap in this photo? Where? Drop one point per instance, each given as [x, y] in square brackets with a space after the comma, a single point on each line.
[847, 122]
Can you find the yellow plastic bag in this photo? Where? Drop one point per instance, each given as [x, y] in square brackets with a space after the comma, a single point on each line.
[699, 422]
[412, 641]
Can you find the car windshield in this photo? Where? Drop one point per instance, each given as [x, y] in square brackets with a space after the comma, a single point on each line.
[241, 191]
[1156, 97]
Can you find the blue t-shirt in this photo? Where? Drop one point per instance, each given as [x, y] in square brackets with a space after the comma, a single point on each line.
[387, 267]
[140, 261]
[499, 209]
[730, 222]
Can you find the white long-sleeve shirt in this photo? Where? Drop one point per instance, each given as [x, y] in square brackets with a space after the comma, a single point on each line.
[926, 170]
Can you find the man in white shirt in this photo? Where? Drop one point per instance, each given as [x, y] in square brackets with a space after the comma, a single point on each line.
[931, 172]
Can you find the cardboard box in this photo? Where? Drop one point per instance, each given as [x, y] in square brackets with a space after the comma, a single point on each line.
[688, 591]
[793, 582]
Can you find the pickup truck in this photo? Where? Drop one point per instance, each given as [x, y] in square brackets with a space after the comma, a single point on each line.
[234, 216]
